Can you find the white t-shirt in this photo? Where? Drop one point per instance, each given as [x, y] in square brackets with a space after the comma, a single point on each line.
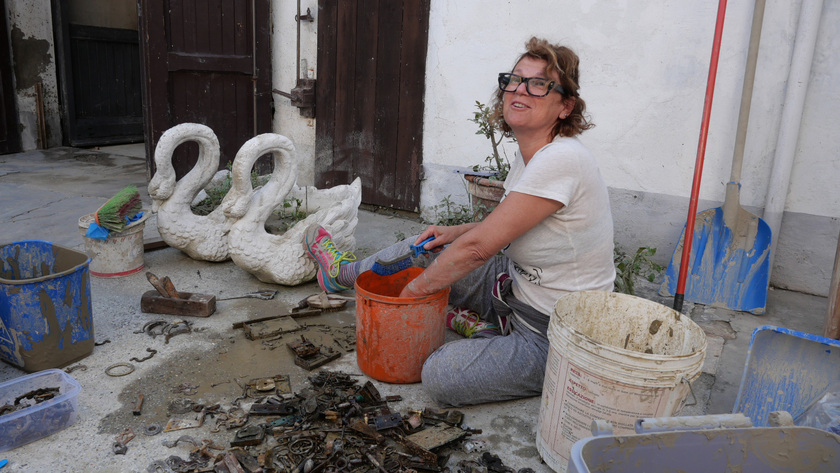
[572, 249]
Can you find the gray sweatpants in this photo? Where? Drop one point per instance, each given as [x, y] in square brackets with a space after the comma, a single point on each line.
[479, 370]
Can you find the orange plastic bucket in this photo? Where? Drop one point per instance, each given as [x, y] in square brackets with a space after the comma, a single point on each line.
[394, 335]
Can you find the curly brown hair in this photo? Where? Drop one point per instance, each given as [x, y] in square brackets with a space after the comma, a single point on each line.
[564, 62]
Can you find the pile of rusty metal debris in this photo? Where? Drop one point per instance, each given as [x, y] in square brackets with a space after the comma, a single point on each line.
[334, 425]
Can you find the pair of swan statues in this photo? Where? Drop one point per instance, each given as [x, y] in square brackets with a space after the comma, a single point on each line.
[236, 228]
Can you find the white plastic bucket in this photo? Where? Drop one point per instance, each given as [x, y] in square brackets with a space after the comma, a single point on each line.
[613, 357]
[118, 255]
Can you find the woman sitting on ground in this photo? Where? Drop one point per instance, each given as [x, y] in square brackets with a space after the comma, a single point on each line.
[553, 228]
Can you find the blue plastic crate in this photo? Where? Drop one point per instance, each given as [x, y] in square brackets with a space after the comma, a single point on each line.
[45, 307]
[746, 450]
[785, 370]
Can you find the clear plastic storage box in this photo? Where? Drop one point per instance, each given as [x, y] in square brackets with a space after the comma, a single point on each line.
[19, 427]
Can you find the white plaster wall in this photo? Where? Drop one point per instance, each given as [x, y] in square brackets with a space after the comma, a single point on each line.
[287, 119]
[643, 74]
[814, 189]
[30, 25]
[644, 67]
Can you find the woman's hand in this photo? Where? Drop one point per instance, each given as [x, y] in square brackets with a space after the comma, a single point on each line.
[444, 235]
[410, 291]
[471, 245]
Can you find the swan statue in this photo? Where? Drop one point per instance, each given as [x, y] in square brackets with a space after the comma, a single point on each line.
[201, 237]
[283, 259]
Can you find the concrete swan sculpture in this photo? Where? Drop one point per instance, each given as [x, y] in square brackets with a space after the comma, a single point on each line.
[200, 237]
[282, 259]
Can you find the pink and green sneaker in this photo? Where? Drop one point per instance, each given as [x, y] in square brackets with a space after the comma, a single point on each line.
[467, 323]
[320, 246]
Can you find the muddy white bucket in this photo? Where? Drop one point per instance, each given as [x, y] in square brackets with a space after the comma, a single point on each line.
[118, 255]
[614, 357]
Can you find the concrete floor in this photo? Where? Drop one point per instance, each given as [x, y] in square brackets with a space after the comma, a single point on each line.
[42, 196]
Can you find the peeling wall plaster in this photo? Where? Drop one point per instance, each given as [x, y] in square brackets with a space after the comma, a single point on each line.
[33, 54]
[32, 58]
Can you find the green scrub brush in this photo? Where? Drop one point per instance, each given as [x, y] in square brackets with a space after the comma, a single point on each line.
[112, 215]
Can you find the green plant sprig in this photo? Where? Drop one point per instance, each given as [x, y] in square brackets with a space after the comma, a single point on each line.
[630, 267]
[495, 162]
[217, 193]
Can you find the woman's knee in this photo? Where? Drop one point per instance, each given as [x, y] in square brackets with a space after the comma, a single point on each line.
[440, 379]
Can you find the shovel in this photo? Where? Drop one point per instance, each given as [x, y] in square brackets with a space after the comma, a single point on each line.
[729, 266]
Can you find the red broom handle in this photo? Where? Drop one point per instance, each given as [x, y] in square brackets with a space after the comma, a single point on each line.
[679, 296]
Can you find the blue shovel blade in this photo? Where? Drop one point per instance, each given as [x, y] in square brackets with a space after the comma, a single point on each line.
[727, 267]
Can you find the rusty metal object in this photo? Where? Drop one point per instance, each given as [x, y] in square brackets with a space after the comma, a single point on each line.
[138, 408]
[180, 406]
[128, 369]
[304, 348]
[170, 288]
[387, 421]
[152, 429]
[140, 360]
[263, 294]
[437, 436]
[270, 328]
[334, 426]
[186, 389]
[232, 463]
[181, 439]
[323, 301]
[177, 328]
[268, 409]
[310, 356]
[153, 328]
[119, 447]
[248, 436]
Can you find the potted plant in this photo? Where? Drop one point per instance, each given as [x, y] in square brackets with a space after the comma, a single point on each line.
[485, 182]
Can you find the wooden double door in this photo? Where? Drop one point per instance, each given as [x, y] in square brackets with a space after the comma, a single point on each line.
[369, 106]
[208, 62]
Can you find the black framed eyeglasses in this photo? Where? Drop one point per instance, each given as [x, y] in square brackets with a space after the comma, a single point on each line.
[536, 86]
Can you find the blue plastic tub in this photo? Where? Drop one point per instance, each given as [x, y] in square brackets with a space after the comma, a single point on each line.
[45, 306]
[745, 450]
[785, 370]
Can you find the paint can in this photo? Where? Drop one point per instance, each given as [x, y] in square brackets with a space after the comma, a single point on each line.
[395, 335]
[118, 255]
[45, 307]
[613, 357]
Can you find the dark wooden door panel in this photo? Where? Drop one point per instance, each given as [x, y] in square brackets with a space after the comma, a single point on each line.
[369, 110]
[99, 82]
[209, 62]
[9, 134]
[106, 99]
[412, 64]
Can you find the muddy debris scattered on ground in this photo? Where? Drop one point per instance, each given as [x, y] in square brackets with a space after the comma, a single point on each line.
[333, 425]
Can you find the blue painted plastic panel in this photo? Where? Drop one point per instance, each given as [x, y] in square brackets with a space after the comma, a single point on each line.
[720, 273]
[785, 370]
